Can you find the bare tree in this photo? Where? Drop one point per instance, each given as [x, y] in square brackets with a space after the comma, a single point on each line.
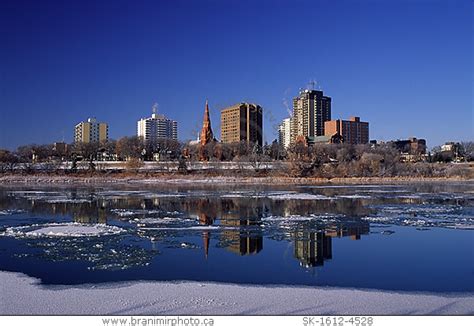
[129, 147]
[468, 150]
[8, 161]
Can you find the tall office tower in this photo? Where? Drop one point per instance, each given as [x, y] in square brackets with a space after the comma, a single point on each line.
[157, 127]
[91, 131]
[284, 132]
[242, 122]
[310, 110]
[353, 131]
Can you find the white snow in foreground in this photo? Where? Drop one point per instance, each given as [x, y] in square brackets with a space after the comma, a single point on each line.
[24, 295]
[62, 230]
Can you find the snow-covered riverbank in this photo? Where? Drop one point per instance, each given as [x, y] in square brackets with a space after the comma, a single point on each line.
[21, 294]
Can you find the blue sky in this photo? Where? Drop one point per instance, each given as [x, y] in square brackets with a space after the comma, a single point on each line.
[404, 66]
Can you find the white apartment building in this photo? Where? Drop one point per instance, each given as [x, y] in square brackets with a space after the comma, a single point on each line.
[284, 132]
[157, 127]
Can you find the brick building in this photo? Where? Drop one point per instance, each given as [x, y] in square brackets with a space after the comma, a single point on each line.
[353, 131]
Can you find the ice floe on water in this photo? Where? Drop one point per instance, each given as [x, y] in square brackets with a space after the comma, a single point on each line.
[328, 218]
[420, 209]
[132, 212]
[298, 196]
[99, 253]
[11, 211]
[274, 195]
[354, 196]
[424, 215]
[68, 200]
[63, 230]
[54, 197]
[151, 220]
[350, 186]
[189, 228]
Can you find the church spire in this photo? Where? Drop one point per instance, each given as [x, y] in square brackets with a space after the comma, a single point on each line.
[206, 132]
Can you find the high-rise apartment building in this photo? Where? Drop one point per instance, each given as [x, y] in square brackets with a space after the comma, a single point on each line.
[157, 127]
[310, 110]
[353, 131]
[91, 131]
[242, 122]
[284, 132]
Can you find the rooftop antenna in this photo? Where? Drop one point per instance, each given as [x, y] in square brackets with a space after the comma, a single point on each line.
[154, 108]
[312, 83]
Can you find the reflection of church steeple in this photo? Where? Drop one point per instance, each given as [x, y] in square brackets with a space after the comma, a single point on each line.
[206, 239]
[205, 218]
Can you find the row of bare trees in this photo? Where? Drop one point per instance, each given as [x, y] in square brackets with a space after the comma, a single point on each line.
[321, 160]
[344, 160]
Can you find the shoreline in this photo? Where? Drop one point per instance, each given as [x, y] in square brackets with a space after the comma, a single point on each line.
[15, 180]
[25, 295]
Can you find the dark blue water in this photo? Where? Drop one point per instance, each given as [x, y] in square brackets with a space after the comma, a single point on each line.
[410, 238]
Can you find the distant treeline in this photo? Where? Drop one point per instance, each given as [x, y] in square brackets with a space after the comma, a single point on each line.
[319, 160]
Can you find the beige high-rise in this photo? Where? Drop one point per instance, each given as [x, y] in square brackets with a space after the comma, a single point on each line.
[91, 131]
[242, 122]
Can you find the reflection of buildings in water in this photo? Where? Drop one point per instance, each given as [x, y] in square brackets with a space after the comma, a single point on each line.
[81, 212]
[240, 239]
[240, 215]
[231, 211]
[90, 213]
[348, 207]
[312, 248]
[352, 231]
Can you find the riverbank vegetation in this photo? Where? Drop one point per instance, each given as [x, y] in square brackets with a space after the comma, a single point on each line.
[130, 156]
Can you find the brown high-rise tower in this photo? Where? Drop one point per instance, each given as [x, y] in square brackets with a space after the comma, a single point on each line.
[242, 122]
[206, 133]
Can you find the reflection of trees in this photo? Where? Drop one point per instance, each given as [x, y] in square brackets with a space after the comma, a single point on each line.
[88, 212]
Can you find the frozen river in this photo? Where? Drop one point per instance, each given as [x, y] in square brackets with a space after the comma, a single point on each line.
[417, 237]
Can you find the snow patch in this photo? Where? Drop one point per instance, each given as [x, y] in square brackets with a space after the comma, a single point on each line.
[24, 295]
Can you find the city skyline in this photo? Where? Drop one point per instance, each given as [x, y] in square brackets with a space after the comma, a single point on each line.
[385, 62]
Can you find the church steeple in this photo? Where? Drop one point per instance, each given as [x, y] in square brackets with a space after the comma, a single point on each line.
[206, 132]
